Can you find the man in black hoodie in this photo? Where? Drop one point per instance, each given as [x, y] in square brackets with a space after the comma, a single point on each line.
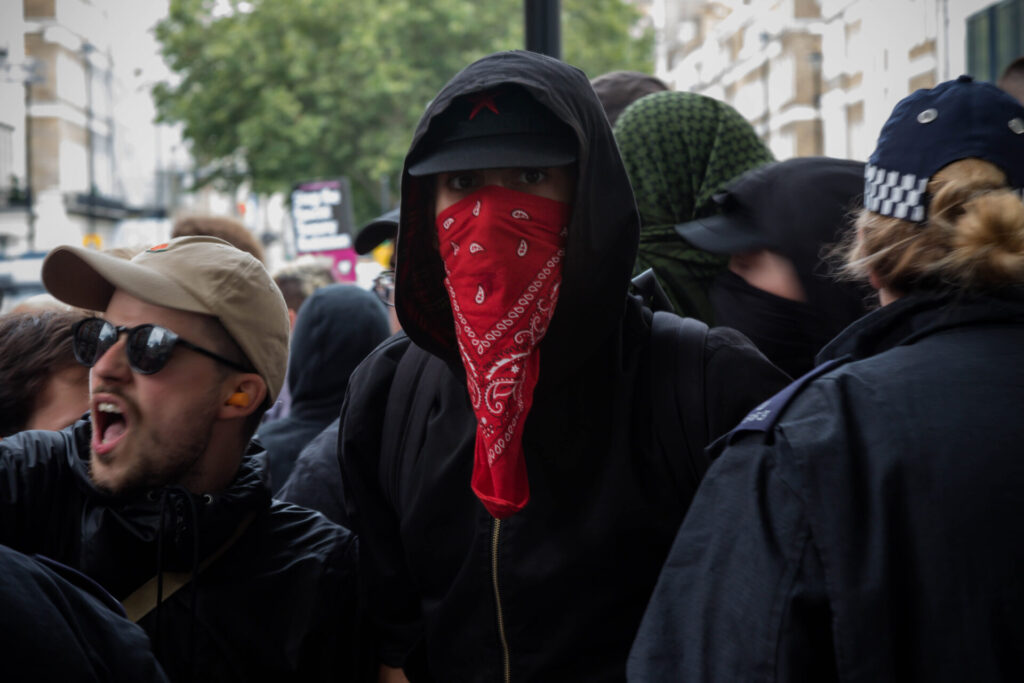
[505, 463]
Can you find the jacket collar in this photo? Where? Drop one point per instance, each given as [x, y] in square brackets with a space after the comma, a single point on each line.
[921, 314]
[132, 524]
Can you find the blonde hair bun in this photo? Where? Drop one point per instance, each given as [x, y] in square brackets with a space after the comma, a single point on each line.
[973, 237]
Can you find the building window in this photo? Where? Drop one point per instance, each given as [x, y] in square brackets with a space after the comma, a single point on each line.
[995, 37]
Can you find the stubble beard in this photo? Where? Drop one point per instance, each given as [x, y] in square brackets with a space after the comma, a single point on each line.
[158, 459]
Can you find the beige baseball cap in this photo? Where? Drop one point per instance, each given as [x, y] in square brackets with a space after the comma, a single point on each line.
[196, 274]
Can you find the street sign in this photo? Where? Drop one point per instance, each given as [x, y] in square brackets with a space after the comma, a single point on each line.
[322, 216]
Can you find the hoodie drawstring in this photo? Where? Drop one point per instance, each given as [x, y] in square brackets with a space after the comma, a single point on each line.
[193, 576]
[195, 587]
[148, 598]
[159, 572]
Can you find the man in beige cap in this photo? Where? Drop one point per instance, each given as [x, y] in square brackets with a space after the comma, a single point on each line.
[157, 495]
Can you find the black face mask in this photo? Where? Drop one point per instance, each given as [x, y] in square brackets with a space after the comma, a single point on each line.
[789, 333]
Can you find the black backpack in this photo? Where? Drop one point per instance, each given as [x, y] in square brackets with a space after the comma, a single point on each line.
[679, 409]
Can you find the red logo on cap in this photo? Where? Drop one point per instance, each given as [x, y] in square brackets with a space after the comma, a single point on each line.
[160, 247]
[481, 100]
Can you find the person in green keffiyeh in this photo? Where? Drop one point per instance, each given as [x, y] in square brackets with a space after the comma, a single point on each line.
[679, 149]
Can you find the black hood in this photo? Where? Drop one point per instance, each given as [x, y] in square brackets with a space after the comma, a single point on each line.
[337, 326]
[603, 232]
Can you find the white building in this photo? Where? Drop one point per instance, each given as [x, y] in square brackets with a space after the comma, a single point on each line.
[821, 76]
[13, 71]
[102, 171]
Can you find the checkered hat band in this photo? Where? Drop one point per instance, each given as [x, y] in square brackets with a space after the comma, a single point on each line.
[891, 193]
[900, 195]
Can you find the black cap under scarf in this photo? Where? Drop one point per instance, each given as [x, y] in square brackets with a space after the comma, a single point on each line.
[798, 209]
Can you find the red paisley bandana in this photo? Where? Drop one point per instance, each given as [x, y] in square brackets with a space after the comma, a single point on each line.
[502, 253]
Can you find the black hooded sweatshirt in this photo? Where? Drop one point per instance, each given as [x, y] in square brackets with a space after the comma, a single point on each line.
[556, 591]
[337, 326]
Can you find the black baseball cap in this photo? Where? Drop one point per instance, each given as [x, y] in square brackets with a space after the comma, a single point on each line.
[930, 129]
[377, 231]
[497, 128]
[779, 205]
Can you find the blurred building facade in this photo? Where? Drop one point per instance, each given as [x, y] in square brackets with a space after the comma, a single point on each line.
[821, 76]
[75, 79]
[14, 71]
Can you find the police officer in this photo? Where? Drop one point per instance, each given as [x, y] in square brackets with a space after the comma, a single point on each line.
[863, 525]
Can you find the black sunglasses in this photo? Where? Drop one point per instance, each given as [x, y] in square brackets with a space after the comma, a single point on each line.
[149, 347]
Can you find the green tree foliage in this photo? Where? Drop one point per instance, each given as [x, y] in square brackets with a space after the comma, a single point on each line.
[603, 35]
[278, 91]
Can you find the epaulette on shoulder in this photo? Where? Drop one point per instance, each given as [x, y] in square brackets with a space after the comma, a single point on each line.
[764, 417]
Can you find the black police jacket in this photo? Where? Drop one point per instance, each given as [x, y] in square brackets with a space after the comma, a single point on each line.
[554, 592]
[278, 604]
[863, 525]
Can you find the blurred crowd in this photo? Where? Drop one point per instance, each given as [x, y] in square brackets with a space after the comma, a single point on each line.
[633, 401]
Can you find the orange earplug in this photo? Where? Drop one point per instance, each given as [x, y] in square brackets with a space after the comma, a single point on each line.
[239, 398]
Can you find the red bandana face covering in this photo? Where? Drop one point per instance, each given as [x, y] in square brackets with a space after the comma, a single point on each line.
[502, 253]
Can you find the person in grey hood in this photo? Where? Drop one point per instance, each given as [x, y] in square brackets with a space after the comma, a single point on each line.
[337, 326]
[514, 485]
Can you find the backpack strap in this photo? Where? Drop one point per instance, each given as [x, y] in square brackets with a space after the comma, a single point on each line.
[403, 404]
[144, 599]
[650, 291]
[677, 394]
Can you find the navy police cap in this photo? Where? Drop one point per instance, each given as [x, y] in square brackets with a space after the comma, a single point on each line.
[931, 129]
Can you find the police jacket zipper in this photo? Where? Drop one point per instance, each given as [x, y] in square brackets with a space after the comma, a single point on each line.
[506, 657]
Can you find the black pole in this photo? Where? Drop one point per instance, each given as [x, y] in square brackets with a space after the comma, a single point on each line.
[543, 27]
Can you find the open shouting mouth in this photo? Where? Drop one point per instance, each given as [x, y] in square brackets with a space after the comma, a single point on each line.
[109, 423]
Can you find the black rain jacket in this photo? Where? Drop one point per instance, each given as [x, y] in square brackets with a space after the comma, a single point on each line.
[279, 604]
[556, 591]
[869, 531]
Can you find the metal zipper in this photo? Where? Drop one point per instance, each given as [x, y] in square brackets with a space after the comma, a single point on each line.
[506, 656]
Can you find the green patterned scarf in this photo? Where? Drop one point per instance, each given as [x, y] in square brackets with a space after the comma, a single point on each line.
[679, 149]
